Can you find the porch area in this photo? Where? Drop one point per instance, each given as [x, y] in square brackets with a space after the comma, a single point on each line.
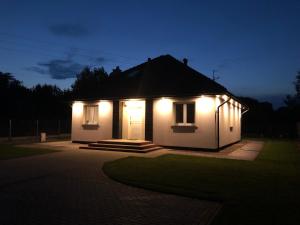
[123, 145]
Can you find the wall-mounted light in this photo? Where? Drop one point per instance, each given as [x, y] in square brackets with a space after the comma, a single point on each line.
[77, 108]
[225, 97]
[104, 108]
[205, 104]
[164, 105]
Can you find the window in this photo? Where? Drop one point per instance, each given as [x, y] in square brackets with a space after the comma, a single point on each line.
[179, 113]
[90, 115]
[190, 113]
[184, 113]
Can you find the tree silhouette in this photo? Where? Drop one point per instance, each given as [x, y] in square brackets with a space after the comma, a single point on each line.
[294, 100]
[48, 102]
[89, 83]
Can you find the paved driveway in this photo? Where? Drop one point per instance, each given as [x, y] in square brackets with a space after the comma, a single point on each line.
[69, 187]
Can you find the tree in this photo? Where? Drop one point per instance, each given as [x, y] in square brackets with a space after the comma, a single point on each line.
[47, 101]
[259, 120]
[89, 82]
[293, 101]
[13, 96]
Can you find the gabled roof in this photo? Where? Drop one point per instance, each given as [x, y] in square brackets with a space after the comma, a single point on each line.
[160, 77]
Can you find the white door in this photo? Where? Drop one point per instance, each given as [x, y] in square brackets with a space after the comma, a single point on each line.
[136, 122]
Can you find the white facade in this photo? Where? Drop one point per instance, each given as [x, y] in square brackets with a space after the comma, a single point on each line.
[202, 133]
[101, 131]
[206, 133]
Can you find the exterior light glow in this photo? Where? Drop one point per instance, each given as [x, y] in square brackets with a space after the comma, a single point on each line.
[134, 103]
[218, 101]
[236, 113]
[77, 108]
[104, 108]
[226, 109]
[205, 104]
[165, 106]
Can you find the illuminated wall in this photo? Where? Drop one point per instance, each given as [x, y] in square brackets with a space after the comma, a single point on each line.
[163, 120]
[104, 129]
[205, 136]
[230, 123]
[164, 133]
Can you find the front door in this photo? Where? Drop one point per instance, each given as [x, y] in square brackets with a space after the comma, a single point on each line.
[135, 125]
[135, 113]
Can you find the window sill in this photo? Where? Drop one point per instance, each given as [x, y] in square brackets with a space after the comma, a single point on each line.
[90, 126]
[184, 128]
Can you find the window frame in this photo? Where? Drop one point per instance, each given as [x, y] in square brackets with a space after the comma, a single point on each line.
[96, 120]
[185, 112]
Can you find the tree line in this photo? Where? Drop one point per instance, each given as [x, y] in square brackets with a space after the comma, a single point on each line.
[50, 102]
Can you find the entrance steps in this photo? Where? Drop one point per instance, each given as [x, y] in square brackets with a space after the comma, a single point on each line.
[123, 145]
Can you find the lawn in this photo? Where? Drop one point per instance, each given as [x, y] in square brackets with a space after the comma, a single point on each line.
[11, 151]
[264, 191]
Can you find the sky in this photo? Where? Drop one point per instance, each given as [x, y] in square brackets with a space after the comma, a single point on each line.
[252, 45]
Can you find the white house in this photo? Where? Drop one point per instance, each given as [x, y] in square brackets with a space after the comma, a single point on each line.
[164, 101]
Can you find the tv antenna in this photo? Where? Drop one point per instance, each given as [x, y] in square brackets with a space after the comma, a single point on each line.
[214, 76]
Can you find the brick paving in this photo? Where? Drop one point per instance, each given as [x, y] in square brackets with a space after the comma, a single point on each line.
[69, 187]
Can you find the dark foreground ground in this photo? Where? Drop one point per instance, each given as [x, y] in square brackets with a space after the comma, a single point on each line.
[69, 187]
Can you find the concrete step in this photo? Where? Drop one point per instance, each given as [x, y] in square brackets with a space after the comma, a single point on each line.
[124, 142]
[121, 149]
[117, 145]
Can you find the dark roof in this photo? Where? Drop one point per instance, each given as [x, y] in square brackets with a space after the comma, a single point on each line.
[163, 76]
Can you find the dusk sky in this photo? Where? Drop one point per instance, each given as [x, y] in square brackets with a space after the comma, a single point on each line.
[253, 45]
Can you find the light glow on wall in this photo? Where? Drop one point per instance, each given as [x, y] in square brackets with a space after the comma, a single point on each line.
[77, 108]
[205, 104]
[218, 101]
[224, 97]
[164, 105]
[104, 108]
[225, 109]
[134, 103]
[236, 104]
[236, 113]
[231, 115]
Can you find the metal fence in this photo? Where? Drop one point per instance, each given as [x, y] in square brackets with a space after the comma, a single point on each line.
[19, 128]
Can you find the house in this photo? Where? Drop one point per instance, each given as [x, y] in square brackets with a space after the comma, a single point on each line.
[164, 101]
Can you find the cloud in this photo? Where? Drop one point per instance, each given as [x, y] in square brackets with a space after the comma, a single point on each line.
[59, 69]
[66, 67]
[100, 59]
[37, 69]
[69, 30]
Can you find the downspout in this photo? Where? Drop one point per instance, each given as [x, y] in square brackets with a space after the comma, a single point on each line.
[218, 120]
[247, 109]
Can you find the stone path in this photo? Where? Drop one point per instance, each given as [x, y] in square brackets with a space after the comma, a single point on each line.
[69, 187]
[244, 150]
[249, 151]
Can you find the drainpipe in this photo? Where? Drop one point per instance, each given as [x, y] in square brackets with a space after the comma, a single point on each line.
[247, 109]
[218, 120]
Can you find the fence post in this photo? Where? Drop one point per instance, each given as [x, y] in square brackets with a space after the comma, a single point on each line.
[9, 131]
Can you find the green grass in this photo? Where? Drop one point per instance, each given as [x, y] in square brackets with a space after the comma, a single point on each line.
[11, 151]
[264, 191]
